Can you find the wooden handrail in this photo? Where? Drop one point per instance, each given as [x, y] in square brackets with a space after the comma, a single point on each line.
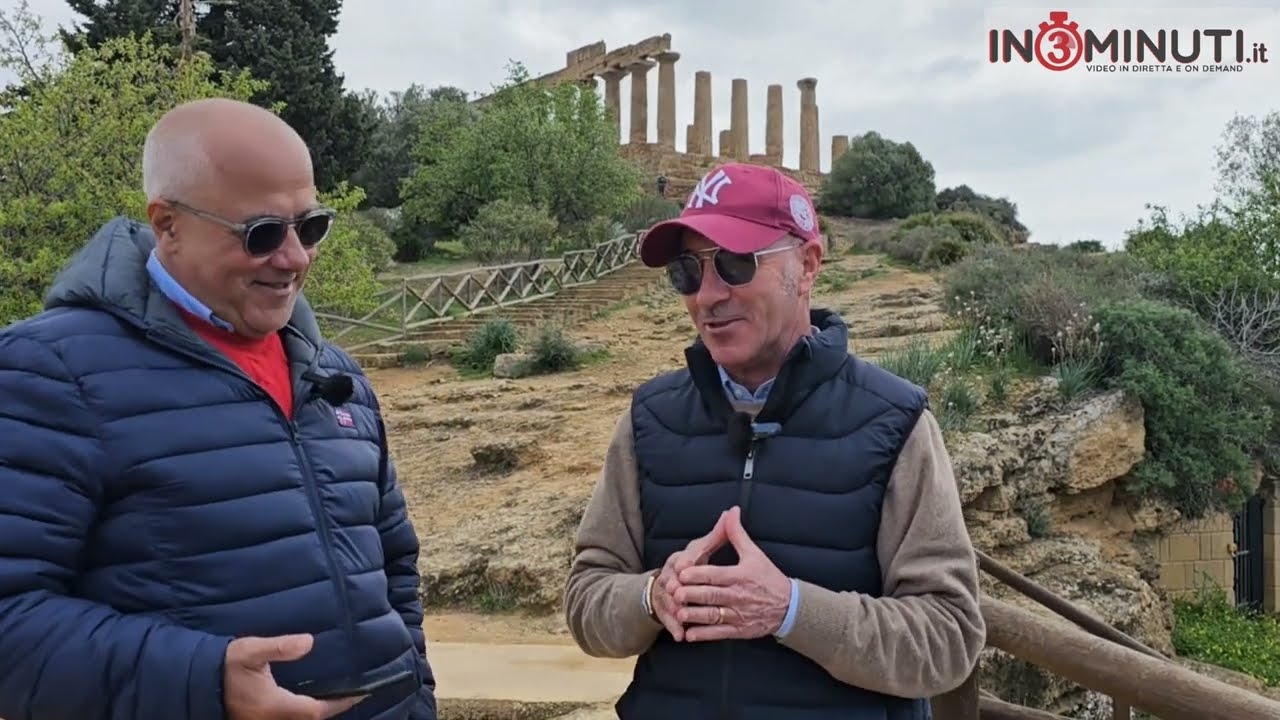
[1059, 605]
[1089, 653]
[992, 708]
[1155, 686]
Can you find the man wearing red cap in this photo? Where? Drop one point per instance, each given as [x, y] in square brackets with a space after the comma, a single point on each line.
[776, 531]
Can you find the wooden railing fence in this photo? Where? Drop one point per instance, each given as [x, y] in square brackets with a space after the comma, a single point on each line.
[419, 300]
[1096, 656]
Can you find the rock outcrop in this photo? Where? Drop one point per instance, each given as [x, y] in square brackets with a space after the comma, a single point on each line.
[1043, 490]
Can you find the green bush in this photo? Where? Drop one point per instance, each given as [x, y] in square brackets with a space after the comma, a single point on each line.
[646, 210]
[506, 231]
[1038, 291]
[926, 246]
[371, 237]
[1001, 212]
[1087, 246]
[1206, 417]
[1217, 249]
[1209, 628]
[496, 337]
[551, 351]
[341, 280]
[970, 227]
[944, 251]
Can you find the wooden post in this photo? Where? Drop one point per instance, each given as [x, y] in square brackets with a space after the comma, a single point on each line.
[959, 704]
[1132, 678]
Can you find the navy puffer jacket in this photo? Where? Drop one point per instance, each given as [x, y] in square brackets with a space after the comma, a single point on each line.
[155, 504]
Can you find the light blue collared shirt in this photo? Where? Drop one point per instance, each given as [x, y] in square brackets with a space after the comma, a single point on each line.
[180, 296]
[740, 393]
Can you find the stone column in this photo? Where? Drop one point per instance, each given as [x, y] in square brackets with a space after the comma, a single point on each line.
[691, 138]
[667, 98]
[808, 124]
[725, 149]
[839, 146]
[640, 101]
[773, 126]
[613, 97]
[702, 112]
[739, 117]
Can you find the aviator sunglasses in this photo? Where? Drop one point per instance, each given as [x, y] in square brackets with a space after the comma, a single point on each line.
[264, 235]
[734, 269]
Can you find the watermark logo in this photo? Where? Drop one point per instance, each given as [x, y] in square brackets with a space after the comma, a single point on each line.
[1061, 43]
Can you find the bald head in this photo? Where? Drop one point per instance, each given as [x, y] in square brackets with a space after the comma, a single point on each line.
[202, 145]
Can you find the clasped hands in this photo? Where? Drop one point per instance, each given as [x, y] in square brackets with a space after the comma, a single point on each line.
[696, 601]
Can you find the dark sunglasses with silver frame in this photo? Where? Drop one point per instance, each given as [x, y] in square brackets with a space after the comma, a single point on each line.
[264, 235]
[734, 269]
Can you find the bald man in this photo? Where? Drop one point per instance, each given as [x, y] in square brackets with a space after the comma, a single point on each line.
[199, 519]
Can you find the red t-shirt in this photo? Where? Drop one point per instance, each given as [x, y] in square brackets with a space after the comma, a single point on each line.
[264, 361]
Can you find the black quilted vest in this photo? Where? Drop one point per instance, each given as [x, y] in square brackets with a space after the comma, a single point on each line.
[810, 497]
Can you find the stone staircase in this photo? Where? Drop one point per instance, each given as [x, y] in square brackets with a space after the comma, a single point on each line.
[566, 308]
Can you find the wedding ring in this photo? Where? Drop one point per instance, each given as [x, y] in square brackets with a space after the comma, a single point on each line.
[720, 619]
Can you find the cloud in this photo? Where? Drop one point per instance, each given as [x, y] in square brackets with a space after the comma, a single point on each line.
[1079, 152]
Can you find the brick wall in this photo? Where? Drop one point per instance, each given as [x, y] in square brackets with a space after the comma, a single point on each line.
[1195, 548]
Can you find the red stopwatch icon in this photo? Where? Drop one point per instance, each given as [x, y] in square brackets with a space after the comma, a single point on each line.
[1059, 45]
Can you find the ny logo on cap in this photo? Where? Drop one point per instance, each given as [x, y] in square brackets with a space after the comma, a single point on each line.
[708, 189]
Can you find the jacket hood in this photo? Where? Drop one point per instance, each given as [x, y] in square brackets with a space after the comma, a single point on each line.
[110, 273]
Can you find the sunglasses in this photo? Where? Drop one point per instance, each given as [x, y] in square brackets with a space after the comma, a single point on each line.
[263, 236]
[733, 269]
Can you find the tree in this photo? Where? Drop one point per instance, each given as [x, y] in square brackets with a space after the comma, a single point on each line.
[282, 42]
[71, 149]
[879, 178]
[1248, 153]
[389, 157]
[118, 18]
[551, 147]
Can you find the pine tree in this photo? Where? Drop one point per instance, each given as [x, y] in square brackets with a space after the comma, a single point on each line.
[284, 42]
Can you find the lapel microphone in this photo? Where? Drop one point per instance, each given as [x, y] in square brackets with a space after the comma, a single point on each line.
[742, 432]
[334, 389]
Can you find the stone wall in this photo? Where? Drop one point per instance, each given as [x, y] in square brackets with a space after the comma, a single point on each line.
[683, 170]
[1193, 553]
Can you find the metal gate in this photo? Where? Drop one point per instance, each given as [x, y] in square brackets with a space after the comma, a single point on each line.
[1249, 555]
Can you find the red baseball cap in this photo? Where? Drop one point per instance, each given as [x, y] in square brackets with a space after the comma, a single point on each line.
[740, 207]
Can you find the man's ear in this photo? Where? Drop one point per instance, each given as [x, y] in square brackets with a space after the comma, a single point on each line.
[810, 263]
[161, 216]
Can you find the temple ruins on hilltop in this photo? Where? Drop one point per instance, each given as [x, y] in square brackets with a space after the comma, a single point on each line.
[589, 62]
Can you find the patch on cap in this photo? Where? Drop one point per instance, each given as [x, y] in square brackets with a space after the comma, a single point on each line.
[801, 213]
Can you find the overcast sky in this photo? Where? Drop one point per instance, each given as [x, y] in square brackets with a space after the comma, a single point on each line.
[1080, 153]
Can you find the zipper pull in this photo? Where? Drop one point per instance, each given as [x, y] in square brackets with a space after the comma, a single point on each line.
[749, 465]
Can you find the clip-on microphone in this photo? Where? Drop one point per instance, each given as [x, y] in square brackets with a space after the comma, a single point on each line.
[334, 389]
[743, 432]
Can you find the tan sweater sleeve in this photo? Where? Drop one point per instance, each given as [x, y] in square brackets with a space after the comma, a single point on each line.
[922, 638]
[602, 597]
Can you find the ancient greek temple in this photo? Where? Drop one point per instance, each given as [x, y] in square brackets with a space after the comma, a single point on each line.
[636, 61]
